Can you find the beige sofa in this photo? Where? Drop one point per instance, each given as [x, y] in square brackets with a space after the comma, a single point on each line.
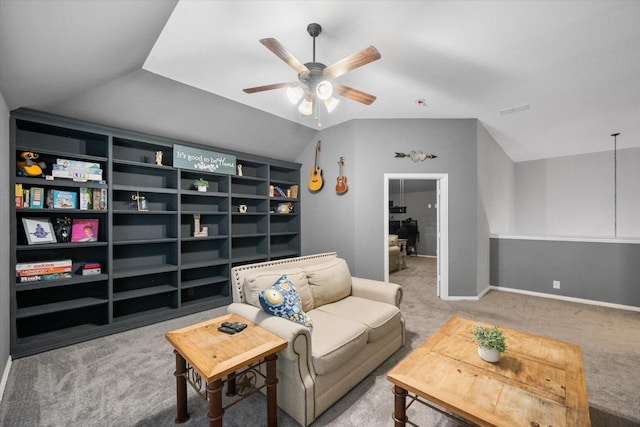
[357, 325]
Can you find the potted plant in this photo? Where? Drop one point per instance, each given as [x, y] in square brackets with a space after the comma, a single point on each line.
[491, 342]
[201, 184]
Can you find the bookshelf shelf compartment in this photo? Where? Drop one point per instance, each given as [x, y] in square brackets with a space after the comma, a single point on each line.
[152, 266]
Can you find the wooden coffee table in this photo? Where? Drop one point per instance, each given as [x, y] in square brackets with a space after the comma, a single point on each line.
[537, 382]
[204, 354]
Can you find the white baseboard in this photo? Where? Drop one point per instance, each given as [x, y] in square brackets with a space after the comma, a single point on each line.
[565, 298]
[5, 376]
[542, 295]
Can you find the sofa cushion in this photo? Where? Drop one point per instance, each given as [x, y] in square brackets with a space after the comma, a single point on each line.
[282, 300]
[254, 283]
[329, 281]
[335, 340]
[380, 318]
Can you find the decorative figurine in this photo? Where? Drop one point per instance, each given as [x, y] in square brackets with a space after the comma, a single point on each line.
[63, 226]
[141, 201]
[159, 158]
[204, 232]
[239, 169]
[29, 166]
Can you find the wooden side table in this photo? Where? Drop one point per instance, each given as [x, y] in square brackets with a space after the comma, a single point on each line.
[205, 354]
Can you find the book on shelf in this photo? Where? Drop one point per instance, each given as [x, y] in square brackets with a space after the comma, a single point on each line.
[99, 201]
[77, 163]
[37, 197]
[65, 199]
[85, 198]
[18, 195]
[25, 198]
[293, 191]
[45, 270]
[280, 192]
[27, 266]
[43, 277]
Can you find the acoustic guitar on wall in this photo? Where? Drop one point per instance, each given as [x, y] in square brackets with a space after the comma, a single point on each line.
[341, 184]
[315, 180]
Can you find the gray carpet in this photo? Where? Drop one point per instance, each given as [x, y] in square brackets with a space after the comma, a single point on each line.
[127, 379]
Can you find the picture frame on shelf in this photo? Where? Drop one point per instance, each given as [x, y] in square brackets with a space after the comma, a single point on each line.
[39, 231]
[84, 230]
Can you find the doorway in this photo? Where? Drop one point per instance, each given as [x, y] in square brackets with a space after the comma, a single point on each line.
[442, 229]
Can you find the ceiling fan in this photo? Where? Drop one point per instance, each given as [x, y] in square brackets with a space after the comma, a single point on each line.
[315, 79]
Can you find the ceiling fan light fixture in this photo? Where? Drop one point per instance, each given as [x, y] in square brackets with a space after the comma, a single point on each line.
[295, 94]
[324, 90]
[331, 103]
[306, 106]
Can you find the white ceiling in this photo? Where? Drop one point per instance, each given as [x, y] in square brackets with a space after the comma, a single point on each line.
[576, 63]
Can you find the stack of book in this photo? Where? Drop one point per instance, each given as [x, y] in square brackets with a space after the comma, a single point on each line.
[45, 270]
[77, 170]
[90, 268]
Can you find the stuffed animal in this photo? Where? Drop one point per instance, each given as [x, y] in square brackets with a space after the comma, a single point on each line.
[28, 167]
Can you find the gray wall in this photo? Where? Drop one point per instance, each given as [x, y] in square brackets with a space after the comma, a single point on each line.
[495, 199]
[598, 271]
[574, 196]
[373, 143]
[328, 219]
[6, 197]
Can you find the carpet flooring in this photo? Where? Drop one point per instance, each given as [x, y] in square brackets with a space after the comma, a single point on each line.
[127, 379]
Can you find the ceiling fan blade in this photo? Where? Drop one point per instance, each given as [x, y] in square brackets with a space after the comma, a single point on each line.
[352, 62]
[276, 47]
[267, 87]
[354, 94]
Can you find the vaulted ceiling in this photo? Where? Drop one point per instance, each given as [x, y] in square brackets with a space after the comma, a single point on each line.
[573, 67]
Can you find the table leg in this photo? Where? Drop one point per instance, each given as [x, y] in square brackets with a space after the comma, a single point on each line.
[399, 413]
[214, 397]
[231, 384]
[272, 391]
[181, 389]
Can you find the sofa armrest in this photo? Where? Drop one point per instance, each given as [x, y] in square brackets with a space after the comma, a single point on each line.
[376, 290]
[297, 336]
[247, 311]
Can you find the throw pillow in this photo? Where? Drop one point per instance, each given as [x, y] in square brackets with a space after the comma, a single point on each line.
[282, 300]
[256, 282]
[329, 281]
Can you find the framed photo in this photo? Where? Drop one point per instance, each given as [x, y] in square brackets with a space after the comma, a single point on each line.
[38, 231]
[84, 230]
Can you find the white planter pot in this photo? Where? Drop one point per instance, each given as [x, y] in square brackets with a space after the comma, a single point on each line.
[202, 189]
[489, 354]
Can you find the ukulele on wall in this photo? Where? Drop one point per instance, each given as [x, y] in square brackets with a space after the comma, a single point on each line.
[341, 184]
[315, 180]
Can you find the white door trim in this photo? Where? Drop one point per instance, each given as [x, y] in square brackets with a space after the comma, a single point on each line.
[443, 225]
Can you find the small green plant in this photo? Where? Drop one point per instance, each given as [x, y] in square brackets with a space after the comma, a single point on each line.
[489, 338]
[200, 183]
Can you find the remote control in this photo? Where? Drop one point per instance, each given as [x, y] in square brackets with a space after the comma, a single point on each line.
[227, 330]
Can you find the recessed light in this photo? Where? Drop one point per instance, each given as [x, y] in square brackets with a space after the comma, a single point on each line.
[515, 109]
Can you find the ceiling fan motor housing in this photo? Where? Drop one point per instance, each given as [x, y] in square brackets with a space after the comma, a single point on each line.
[314, 29]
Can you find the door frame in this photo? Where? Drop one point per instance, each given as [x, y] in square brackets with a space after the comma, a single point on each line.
[442, 245]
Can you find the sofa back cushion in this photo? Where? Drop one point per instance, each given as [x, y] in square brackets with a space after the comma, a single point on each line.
[254, 283]
[329, 281]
